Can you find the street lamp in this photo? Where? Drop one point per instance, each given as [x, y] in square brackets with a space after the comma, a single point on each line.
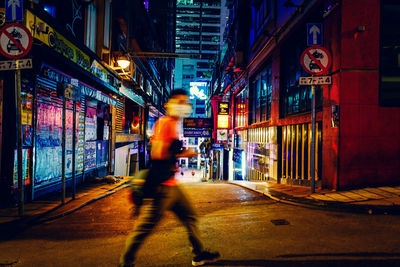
[123, 62]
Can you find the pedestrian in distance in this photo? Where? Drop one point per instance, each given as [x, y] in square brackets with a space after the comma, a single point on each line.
[161, 191]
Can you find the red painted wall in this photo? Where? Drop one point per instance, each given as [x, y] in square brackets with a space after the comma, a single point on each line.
[369, 147]
[330, 136]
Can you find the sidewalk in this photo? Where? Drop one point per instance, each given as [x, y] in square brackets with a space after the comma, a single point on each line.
[371, 200]
[50, 207]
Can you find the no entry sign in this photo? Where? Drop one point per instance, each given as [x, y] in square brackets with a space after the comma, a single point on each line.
[15, 40]
[316, 60]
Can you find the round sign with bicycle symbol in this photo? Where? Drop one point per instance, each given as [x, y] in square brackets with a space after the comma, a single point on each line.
[316, 60]
[15, 40]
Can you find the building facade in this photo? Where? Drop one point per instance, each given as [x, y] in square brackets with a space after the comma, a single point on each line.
[357, 115]
[80, 108]
[199, 35]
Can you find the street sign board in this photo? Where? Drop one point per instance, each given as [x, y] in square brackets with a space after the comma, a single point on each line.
[13, 10]
[197, 123]
[17, 64]
[314, 34]
[316, 60]
[205, 133]
[15, 40]
[315, 80]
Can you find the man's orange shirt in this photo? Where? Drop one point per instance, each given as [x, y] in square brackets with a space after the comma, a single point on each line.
[165, 131]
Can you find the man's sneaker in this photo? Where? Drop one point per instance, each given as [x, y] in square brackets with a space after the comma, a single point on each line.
[205, 257]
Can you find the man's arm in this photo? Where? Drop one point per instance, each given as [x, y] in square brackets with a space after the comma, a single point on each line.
[187, 153]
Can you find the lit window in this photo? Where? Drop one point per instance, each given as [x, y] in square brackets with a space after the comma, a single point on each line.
[107, 11]
[90, 39]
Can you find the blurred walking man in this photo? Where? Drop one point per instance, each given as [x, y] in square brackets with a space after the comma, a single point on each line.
[161, 191]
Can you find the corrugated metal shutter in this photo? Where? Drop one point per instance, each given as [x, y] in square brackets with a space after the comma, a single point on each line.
[120, 115]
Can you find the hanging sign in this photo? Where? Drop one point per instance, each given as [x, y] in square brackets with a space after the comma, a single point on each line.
[316, 60]
[222, 121]
[223, 108]
[15, 41]
[222, 135]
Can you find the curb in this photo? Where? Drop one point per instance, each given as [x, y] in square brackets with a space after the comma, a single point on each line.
[328, 205]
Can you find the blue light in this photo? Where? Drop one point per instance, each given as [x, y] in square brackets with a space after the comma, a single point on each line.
[244, 161]
[51, 10]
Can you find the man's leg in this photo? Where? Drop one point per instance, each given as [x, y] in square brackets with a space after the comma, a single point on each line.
[151, 212]
[185, 212]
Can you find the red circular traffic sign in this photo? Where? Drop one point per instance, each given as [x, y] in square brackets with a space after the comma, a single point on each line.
[15, 40]
[316, 60]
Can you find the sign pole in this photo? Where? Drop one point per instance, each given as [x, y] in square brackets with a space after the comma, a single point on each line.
[63, 150]
[73, 149]
[312, 162]
[19, 142]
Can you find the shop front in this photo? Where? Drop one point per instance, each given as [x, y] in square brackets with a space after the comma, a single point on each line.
[129, 143]
[239, 158]
[217, 159]
[92, 111]
[66, 103]
[262, 154]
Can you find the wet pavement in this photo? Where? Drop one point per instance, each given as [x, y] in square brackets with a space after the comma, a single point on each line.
[247, 228]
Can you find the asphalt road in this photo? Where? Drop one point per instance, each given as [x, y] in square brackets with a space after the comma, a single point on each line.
[248, 229]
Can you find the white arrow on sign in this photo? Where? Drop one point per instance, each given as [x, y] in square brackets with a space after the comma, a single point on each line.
[315, 31]
[14, 4]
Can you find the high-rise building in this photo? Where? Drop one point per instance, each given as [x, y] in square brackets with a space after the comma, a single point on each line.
[200, 26]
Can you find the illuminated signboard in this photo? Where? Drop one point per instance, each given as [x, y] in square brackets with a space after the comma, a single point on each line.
[223, 108]
[222, 135]
[197, 123]
[205, 133]
[223, 122]
[197, 90]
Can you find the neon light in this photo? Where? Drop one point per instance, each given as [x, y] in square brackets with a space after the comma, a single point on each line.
[223, 121]
[197, 89]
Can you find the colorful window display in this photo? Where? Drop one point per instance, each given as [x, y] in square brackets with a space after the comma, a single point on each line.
[92, 118]
[90, 155]
[80, 144]
[48, 143]
[91, 123]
